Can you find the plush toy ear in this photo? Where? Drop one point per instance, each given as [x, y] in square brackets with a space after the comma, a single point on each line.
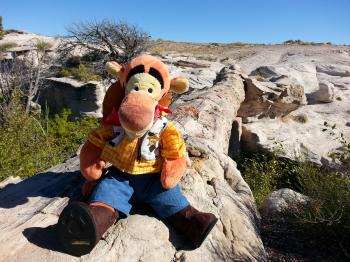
[179, 85]
[114, 69]
[113, 98]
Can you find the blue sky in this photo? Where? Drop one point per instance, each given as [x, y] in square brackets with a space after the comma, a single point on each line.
[259, 21]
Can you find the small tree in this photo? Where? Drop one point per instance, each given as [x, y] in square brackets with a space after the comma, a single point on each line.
[111, 40]
[1, 28]
[38, 64]
[20, 79]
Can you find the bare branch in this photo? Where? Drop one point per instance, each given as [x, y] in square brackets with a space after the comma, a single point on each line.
[114, 40]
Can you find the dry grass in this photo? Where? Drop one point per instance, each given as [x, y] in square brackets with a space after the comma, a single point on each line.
[7, 45]
[211, 50]
[196, 164]
[260, 78]
[300, 118]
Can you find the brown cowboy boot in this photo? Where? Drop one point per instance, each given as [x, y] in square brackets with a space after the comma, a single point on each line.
[193, 224]
[81, 226]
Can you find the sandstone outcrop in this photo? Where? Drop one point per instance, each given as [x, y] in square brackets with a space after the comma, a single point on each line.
[323, 73]
[81, 98]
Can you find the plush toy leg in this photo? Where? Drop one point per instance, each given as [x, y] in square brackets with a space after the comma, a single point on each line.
[193, 224]
[172, 171]
[81, 226]
[87, 189]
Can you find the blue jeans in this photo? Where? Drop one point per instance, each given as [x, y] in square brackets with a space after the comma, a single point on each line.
[121, 190]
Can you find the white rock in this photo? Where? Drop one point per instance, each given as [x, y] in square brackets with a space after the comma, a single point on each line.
[324, 94]
[266, 99]
[323, 72]
[334, 69]
[283, 202]
[81, 98]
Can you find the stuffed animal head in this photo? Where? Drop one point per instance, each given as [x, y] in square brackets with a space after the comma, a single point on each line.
[143, 86]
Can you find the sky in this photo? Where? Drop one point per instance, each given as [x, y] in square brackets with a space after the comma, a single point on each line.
[222, 21]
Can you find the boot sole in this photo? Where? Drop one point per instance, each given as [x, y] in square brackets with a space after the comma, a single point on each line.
[77, 230]
[207, 231]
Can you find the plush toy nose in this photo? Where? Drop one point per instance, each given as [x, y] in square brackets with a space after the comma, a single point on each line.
[136, 112]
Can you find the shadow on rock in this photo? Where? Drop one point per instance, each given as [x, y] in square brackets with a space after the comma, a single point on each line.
[44, 237]
[48, 184]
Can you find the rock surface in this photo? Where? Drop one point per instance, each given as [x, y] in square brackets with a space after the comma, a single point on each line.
[81, 98]
[200, 73]
[323, 72]
[284, 201]
[29, 209]
[271, 100]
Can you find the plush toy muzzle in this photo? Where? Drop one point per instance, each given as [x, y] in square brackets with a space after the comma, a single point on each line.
[136, 113]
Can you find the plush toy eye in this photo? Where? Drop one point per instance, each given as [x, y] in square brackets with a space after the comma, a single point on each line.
[136, 88]
[150, 90]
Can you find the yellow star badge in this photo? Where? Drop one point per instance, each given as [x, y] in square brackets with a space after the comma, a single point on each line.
[153, 140]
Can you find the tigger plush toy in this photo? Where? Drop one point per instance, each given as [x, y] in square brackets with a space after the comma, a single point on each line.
[147, 154]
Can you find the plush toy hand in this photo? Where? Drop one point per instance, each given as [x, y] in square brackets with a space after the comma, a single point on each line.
[91, 166]
[172, 171]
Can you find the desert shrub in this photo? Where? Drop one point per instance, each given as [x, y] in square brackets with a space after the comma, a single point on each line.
[65, 72]
[30, 144]
[81, 73]
[93, 56]
[68, 134]
[8, 45]
[43, 46]
[301, 42]
[327, 216]
[73, 61]
[266, 172]
[260, 78]
[157, 51]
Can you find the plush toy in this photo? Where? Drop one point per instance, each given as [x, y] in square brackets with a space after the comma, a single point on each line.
[147, 154]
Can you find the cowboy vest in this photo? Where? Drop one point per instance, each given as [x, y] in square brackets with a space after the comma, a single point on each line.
[149, 143]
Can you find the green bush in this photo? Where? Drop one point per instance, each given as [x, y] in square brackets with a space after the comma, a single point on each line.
[267, 172]
[326, 218]
[43, 46]
[73, 61]
[30, 144]
[65, 72]
[81, 73]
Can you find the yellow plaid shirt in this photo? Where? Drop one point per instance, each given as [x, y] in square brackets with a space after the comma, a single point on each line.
[125, 155]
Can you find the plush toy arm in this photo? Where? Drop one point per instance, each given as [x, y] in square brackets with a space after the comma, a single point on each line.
[172, 171]
[173, 151]
[91, 166]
